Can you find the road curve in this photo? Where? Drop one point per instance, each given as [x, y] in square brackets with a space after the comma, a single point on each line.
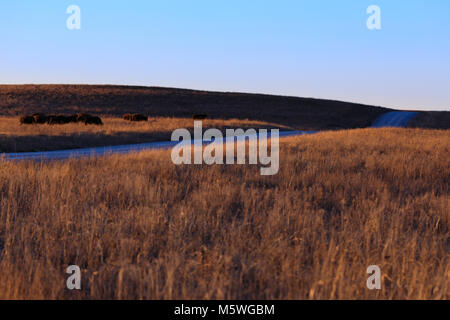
[395, 119]
[121, 149]
[390, 119]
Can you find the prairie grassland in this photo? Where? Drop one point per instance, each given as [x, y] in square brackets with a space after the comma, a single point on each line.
[15, 137]
[142, 228]
[301, 113]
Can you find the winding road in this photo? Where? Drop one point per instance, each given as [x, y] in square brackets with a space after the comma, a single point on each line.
[395, 119]
[390, 119]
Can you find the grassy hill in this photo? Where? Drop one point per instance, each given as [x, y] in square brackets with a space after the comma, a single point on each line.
[431, 120]
[169, 109]
[298, 113]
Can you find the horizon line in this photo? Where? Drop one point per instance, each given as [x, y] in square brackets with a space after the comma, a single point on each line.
[393, 107]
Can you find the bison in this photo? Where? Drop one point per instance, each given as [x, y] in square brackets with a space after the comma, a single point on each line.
[39, 118]
[135, 117]
[50, 118]
[93, 120]
[81, 117]
[139, 117]
[72, 118]
[26, 120]
[59, 119]
[127, 116]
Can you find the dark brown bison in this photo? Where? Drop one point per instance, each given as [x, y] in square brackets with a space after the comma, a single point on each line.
[199, 116]
[93, 120]
[81, 117]
[50, 118]
[135, 117]
[26, 120]
[39, 118]
[59, 119]
[72, 118]
[139, 117]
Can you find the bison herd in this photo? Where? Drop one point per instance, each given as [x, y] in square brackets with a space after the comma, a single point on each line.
[135, 117]
[40, 118]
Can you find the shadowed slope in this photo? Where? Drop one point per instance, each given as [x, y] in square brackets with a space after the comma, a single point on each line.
[299, 113]
[394, 119]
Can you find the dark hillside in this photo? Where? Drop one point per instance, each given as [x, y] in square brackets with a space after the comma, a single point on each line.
[303, 113]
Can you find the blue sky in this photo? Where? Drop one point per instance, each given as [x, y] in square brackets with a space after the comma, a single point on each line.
[310, 48]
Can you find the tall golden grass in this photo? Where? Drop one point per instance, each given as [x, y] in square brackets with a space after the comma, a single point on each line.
[142, 228]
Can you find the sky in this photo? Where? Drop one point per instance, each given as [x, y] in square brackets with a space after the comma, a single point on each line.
[309, 48]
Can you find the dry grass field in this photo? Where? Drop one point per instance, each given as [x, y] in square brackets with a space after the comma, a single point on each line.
[15, 137]
[142, 228]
